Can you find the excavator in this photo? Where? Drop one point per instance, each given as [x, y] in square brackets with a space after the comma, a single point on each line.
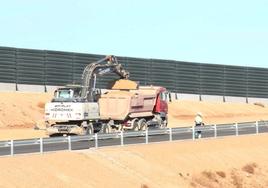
[74, 108]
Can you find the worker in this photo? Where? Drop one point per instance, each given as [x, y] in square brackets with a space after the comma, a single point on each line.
[198, 123]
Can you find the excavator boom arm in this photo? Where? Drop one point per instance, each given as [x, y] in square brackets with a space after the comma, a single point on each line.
[106, 65]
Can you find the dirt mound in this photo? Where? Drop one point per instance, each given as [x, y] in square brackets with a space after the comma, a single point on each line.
[249, 176]
[230, 162]
[22, 110]
[182, 113]
[124, 84]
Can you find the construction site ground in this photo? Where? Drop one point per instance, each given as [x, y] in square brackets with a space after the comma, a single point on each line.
[21, 112]
[224, 162]
[233, 162]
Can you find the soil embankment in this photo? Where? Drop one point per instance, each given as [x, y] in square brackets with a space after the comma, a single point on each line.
[21, 112]
[233, 162]
[182, 113]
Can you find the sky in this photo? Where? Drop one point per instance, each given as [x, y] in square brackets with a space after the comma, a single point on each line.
[208, 31]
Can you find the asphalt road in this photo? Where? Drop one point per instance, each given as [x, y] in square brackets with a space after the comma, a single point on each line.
[86, 142]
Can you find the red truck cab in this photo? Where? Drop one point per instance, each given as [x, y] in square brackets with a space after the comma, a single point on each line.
[161, 105]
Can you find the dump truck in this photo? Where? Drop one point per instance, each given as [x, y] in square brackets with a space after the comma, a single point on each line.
[125, 105]
[133, 109]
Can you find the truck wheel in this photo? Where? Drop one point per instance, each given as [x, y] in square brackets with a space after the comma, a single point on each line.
[105, 129]
[163, 124]
[135, 124]
[90, 129]
[142, 124]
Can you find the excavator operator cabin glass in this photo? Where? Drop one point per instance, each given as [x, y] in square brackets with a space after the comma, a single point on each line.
[65, 94]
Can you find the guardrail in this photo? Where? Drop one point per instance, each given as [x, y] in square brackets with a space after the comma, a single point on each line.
[41, 145]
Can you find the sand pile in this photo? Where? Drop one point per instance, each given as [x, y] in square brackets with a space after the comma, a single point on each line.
[22, 110]
[124, 84]
[182, 113]
[230, 162]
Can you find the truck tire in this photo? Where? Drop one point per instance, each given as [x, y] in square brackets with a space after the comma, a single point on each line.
[163, 124]
[90, 129]
[106, 129]
[135, 124]
[142, 124]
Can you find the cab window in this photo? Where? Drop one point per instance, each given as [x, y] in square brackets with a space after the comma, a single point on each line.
[77, 93]
[163, 96]
[65, 94]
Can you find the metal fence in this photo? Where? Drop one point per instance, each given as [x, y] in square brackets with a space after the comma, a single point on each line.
[41, 145]
[44, 67]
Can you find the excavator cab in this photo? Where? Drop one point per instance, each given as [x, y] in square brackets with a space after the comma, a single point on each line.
[67, 94]
[73, 94]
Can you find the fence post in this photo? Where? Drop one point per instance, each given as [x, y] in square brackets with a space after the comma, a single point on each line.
[193, 133]
[257, 127]
[41, 145]
[122, 138]
[11, 147]
[170, 134]
[96, 140]
[146, 136]
[69, 143]
[215, 131]
[236, 129]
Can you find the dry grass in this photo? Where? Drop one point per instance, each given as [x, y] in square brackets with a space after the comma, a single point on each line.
[144, 186]
[205, 179]
[221, 174]
[259, 104]
[201, 182]
[237, 181]
[234, 178]
[250, 168]
[210, 175]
